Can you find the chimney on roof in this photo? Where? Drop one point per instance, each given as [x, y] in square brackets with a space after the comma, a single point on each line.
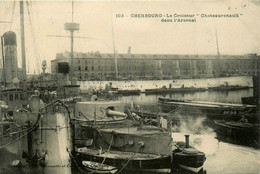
[129, 51]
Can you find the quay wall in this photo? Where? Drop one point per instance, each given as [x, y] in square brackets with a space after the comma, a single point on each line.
[243, 81]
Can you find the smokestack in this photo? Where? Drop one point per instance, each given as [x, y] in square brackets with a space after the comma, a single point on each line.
[187, 141]
[10, 57]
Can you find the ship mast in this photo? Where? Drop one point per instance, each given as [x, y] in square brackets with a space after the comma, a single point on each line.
[23, 46]
[218, 55]
[3, 59]
[71, 27]
[115, 54]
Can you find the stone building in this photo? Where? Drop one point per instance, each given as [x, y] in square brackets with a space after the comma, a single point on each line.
[100, 66]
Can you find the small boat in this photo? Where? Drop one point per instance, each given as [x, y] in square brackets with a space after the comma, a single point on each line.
[238, 132]
[125, 161]
[95, 167]
[187, 158]
[227, 87]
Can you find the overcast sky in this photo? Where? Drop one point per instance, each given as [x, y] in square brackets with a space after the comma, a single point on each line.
[145, 35]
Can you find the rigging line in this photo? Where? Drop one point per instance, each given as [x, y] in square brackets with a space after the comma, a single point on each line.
[130, 159]
[34, 41]
[10, 142]
[105, 156]
[114, 48]
[33, 127]
[14, 133]
[12, 16]
[72, 9]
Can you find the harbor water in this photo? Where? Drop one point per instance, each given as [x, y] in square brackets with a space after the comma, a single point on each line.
[221, 157]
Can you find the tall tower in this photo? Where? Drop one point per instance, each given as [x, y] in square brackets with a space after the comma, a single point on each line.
[10, 58]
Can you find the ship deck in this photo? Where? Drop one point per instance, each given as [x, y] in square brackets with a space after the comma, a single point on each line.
[144, 130]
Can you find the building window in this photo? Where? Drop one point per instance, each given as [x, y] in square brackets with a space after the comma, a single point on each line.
[86, 68]
[86, 76]
[92, 68]
[79, 68]
[16, 97]
[11, 97]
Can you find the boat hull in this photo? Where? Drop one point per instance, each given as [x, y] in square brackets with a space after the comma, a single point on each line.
[132, 163]
[187, 158]
[98, 167]
[237, 134]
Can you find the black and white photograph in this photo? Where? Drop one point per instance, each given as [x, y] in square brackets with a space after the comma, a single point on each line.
[129, 87]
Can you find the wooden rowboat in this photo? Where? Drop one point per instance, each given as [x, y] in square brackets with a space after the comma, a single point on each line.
[96, 167]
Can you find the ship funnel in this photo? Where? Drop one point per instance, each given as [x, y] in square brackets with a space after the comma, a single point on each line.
[9, 38]
[10, 65]
[187, 141]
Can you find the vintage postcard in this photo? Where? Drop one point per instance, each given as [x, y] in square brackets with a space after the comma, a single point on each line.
[130, 86]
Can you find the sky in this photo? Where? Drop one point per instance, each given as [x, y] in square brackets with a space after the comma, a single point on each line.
[98, 21]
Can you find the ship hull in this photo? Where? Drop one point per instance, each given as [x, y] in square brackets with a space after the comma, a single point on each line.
[51, 141]
[209, 109]
[173, 90]
[128, 92]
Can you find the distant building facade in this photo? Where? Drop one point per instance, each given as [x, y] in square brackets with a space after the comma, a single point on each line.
[97, 66]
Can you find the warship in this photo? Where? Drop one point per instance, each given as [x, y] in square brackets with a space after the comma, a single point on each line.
[104, 134]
